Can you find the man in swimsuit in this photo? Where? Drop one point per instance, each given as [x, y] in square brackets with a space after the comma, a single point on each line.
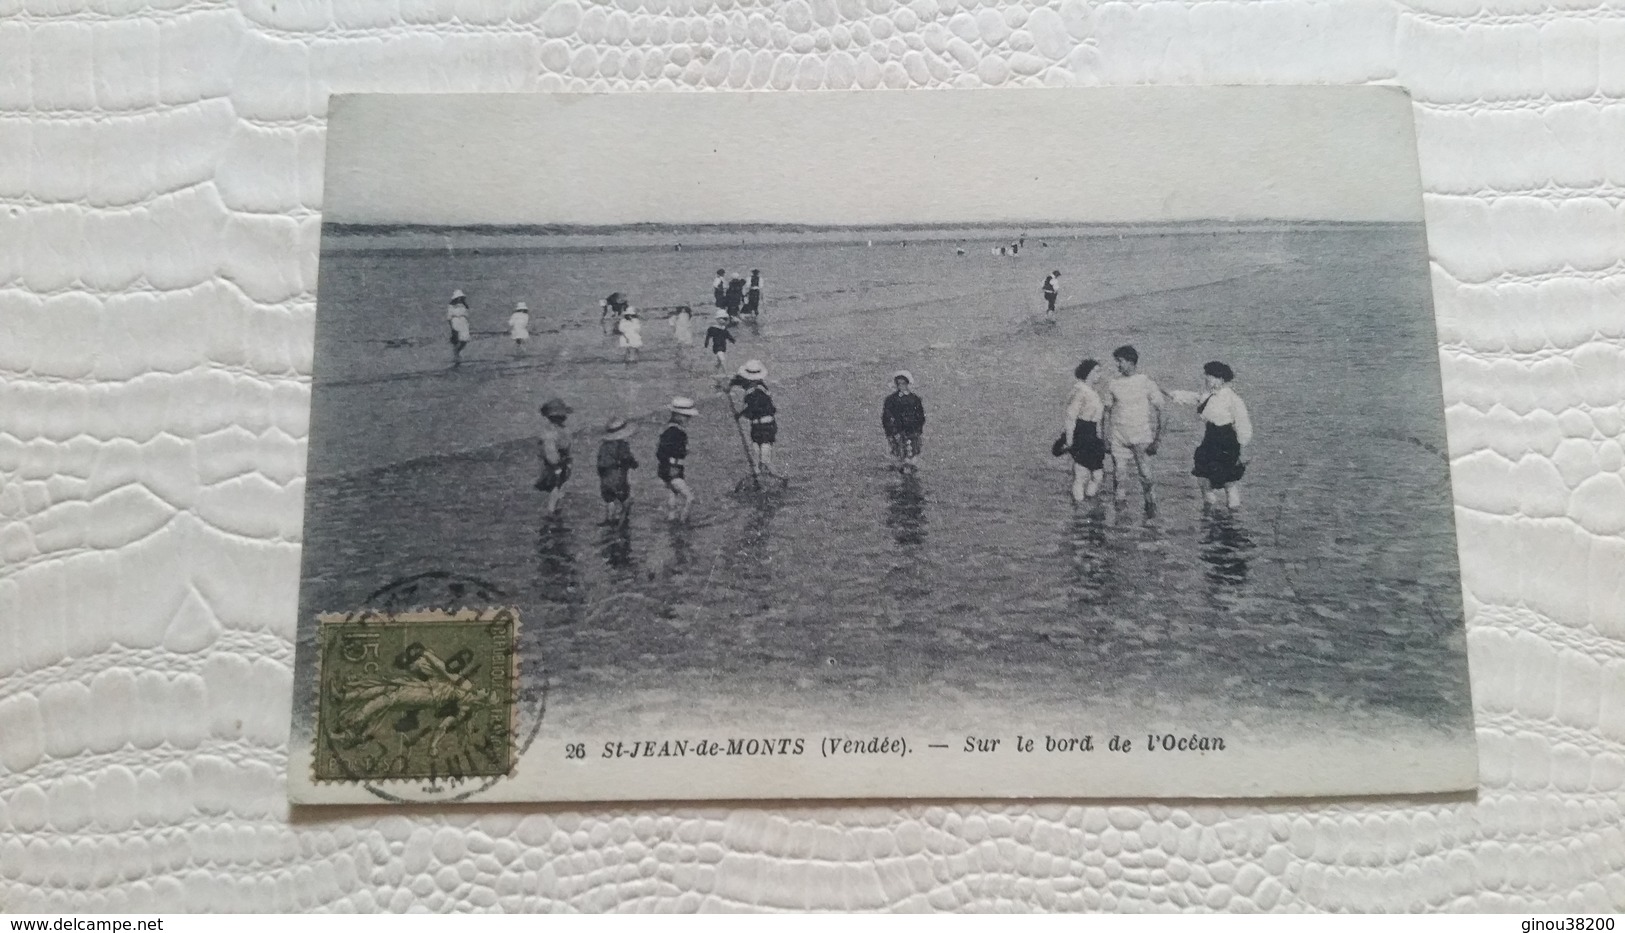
[1134, 412]
[671, 454]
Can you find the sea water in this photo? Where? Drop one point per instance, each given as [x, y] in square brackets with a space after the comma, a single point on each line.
[1332, 594]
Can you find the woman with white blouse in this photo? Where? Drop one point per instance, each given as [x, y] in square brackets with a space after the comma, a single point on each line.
[1082, 438]
[1221, 458]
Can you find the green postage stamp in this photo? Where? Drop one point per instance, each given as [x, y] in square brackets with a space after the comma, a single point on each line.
[416, 696]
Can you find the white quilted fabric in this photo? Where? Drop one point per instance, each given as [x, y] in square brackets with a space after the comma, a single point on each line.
[160, 183]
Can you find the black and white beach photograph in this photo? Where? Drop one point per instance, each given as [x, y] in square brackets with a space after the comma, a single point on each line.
[1028, 443]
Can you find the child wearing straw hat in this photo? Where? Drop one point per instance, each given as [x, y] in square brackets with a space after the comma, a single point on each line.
[902, 417]
[554, 452]
[671, 455]
[615, 461]
[759, 409]
[519, 325]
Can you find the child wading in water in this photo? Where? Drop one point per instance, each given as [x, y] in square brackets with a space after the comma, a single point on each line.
[682, 327]
[758, 407]
[1221, 458]
[717, 338]
[615, 460]
[519, 326]
[753, 294]
[1082, 438]
[630, 334]
[671, 452]
[457, 318]
[554, 452]
[902, 417]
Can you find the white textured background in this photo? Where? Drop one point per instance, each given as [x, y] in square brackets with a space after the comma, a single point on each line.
[160, 183]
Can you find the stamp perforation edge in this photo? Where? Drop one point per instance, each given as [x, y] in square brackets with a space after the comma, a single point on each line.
[462, 616]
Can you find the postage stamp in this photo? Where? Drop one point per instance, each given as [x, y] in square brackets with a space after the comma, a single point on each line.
[419, 696]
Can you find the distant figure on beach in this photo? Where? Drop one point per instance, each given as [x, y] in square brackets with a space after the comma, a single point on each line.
[553, 450]
[519, 325]
[753, 294]
[717, 338]
[615, 461]
[959, 251]
[629, 334]
[719, 288]
[1003, 250]
[1221, 458]
[610, 310]
[457, 319]
[671, 453]
[1015, 248]
[902, 417]
[758, 408]
[682, 327]
[1082, 438]
[1051, 292]
[1134, 412]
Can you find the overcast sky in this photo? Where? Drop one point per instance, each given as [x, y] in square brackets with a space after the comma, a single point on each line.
[1066, 155]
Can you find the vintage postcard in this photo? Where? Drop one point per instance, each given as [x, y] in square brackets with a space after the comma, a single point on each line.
[1026, 443]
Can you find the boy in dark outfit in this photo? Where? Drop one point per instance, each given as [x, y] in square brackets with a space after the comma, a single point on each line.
[615, 460]
[1050, 292]
[903, 419]
[753, 294]
[671, 452]
[734, 298]
[758, 407]
[717, 338]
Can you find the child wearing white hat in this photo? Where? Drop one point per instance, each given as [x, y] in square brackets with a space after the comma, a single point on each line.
[902, 417]
[671, 455]
[519, 325]
[457, 318]
[758, 407]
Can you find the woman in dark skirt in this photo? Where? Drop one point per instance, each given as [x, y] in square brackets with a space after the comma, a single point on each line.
[1221, 458]
[1082, 439]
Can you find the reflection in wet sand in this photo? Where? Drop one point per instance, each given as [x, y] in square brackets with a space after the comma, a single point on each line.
[615, 546]
[905, 513]
[1091, 556]
[1226, 547]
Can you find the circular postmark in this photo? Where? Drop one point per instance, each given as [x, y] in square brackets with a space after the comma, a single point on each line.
[422, 695]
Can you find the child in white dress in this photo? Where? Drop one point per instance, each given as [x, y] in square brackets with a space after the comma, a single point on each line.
[631, 334]
[519, 325]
